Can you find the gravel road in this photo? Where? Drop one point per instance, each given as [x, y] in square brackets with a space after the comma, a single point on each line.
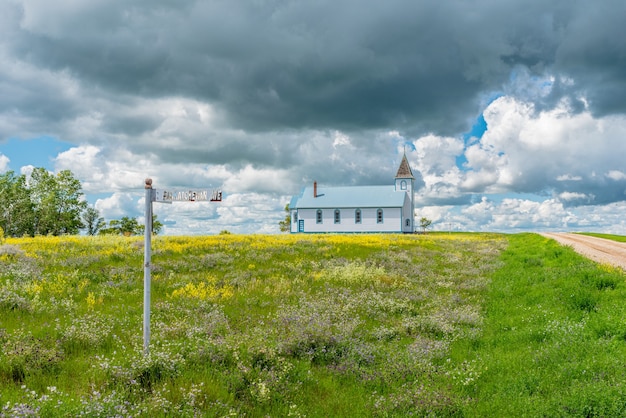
[598, 249]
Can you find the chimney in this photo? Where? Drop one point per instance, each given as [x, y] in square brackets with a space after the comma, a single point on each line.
[314, 189]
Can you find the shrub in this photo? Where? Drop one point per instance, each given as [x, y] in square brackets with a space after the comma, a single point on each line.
[85, 333]
[318, 330]
[12, 301]
[23, 355]
[140, 369]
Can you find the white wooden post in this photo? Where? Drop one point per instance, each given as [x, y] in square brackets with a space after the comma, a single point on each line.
[147, 252]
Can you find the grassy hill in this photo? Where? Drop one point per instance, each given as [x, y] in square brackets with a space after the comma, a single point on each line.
[315, 325]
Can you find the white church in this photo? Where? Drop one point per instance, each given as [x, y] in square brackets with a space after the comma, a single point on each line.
[357, 208]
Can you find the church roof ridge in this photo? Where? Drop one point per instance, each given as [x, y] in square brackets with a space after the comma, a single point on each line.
[404, 171]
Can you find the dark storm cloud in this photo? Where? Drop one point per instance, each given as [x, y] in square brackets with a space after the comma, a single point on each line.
[592, 52]
[358, 163]
[260, 150]
[597, 191]
[416, 66]
[279, 78]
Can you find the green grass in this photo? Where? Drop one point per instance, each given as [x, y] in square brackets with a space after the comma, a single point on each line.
[554, 340]
[618, 238]
[316, 326]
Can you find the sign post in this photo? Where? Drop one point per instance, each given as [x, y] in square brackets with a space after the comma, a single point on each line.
[163, 196]
[147, 254]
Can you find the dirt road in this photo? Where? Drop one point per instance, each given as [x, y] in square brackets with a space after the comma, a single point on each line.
[597, 249]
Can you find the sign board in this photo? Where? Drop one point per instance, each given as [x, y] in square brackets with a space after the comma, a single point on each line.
[187, 196]
[164, 196]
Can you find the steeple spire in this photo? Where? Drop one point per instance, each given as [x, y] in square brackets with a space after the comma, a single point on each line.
[404, 171]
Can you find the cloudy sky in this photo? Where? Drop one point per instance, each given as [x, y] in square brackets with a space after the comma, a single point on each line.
[512, 113]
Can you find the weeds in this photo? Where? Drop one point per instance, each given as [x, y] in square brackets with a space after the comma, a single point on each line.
[322, 325]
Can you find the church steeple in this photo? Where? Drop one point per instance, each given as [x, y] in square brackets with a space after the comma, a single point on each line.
[404, 171]
[405, 182]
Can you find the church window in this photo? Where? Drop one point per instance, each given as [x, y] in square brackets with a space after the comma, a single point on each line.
[403, 185]
[357, 216]
[379, 216]
[408, 222]
[337, 216]
[318, 217]
[295, 217]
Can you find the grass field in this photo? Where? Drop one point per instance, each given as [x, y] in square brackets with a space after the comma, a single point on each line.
[315, 326]
[619, 238]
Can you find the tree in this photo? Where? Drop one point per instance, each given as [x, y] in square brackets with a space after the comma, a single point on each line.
[70, 203]
[43, 189]
[112, 228]
[125, 226]
[285, 225]
[92, 221]
[129, 226]
[58, 202]
[157, 226]
[425, 224]
[16, 206]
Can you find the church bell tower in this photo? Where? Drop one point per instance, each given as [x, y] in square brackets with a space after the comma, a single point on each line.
[405, 182]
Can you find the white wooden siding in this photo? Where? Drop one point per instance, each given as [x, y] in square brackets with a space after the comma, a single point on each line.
[392, 220]
[407, 213]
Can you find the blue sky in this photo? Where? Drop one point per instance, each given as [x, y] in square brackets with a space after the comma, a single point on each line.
[38, 152]
[513, 111]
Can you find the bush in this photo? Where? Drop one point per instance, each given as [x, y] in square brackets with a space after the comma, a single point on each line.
[24, 355]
